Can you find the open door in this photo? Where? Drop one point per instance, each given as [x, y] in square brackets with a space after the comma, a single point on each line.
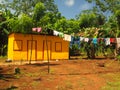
[31, 50]
[46, 50]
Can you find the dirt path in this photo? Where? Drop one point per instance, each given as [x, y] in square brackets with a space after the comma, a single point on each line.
[64, 75]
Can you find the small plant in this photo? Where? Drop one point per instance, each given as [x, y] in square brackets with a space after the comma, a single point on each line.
[74, 50]
[118, 57]
[17, 70]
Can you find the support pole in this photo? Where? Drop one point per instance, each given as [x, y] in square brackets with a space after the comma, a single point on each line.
[31, 49]
[47, 54]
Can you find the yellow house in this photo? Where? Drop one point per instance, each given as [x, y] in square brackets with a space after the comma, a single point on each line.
[37, 47]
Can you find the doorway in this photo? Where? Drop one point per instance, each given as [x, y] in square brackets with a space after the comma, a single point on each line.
[46, 50]
[31, 49]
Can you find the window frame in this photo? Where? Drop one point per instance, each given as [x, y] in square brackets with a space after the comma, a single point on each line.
[21, 46]
[60, 50]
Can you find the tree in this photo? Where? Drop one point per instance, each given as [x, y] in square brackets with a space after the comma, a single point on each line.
[22, 24]
[106, 5]
[67, 26]
[39, 12]
[4, 30]
[27, 6]
[117, 14]
[89, 18]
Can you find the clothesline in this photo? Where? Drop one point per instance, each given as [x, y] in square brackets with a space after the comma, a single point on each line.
[69, 38]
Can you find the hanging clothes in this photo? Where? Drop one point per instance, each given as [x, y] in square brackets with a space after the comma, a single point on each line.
[107, 41]
[72, 41]
[118, 42]
[94, 41]
[67, 37]
[56, 33]
[112, 40]
[34, 29]
[77, 41]
[86, 39]
[39, 29]
[99, 40]
[81, 38]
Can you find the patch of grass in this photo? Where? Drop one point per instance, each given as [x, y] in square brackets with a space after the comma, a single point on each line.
[32, 74]
[111, 76]
[3, 57]
[112, 81]
[112, 86]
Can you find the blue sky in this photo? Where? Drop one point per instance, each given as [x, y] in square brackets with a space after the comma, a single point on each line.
[71, 8]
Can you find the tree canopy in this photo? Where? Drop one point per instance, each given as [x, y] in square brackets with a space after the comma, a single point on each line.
[27, 6]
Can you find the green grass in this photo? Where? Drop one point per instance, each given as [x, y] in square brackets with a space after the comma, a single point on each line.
[112, 81]
[112, 86]
[3, 58]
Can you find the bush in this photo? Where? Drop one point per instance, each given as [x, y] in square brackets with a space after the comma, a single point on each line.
[74, 50]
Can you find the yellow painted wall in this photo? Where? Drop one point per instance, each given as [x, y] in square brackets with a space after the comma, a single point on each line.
[10, 46]
[58, 48]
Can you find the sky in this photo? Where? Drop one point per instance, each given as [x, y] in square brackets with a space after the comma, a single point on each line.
[71, 8]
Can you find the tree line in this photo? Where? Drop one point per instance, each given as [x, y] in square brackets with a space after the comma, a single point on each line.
[22, 15]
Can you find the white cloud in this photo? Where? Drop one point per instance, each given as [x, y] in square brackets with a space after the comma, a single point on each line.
[85, 6]
[69, 3]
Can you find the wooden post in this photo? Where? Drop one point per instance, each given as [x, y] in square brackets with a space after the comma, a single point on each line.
[47, 53]
[31, 49]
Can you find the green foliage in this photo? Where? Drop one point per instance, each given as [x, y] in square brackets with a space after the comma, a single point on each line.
[89, 18]
[74, 50]
[39, 11]
[17, 70]
[113, 8]
[117, 14]
[21, 24]
[27, 6]
[67, 26]
[106, 5]
[112, 86]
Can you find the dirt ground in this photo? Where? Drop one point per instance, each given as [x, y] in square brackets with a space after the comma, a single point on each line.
[63, 75]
